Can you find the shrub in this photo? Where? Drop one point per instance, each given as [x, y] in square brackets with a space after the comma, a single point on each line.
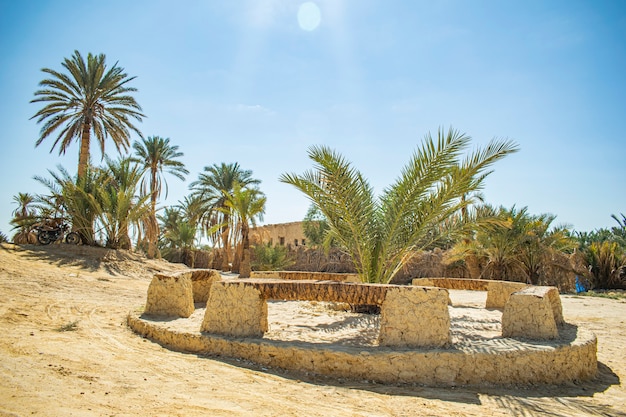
[270, 258]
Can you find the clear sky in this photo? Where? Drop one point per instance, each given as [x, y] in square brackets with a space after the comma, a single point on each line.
[259, 81]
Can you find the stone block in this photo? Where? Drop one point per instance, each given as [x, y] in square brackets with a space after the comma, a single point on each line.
[530, 314]
[202, 279]
[415, 316]
[498, 292]
[170, 295]
[235, 309]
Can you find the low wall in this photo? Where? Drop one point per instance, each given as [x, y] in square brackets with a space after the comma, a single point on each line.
[304, 275]
[170, 295]
[410, 315]
[202, 280]
[572, 359]
[498, 292]
[174, 295]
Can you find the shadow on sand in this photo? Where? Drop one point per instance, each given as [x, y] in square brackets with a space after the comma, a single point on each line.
[515, 400]
[89, 258]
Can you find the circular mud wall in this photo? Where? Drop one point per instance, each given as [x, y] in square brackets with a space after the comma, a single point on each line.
[571, 358]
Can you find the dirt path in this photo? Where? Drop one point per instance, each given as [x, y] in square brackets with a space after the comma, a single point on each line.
[99, 368]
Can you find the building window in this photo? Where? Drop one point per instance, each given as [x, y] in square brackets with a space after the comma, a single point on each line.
[303, 242]
[295, 242]
[281, 240]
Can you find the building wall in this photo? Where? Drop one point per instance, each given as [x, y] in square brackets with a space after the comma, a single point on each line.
[286, 234]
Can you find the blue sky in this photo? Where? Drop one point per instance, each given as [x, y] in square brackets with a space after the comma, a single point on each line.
[246, 81]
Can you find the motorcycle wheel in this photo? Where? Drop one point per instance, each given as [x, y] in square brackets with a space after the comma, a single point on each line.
[72, 238]
[43, 237]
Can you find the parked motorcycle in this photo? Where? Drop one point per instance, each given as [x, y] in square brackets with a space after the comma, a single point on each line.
[47, 234]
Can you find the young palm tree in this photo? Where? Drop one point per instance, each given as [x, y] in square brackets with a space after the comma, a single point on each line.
[24, 203]
[24, 216]
[179, 232]
[212, 188]
[120, 203]
[155, 154]
[383, 234]
[540, 243]
[76, 198]
[607, 264]
[515, 245]
[89, 99]
[247, 205]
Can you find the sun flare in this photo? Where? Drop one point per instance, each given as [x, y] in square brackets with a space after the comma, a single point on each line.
[309, 16]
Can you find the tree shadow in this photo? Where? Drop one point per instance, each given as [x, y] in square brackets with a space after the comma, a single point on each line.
[88, 258]
[517, 400]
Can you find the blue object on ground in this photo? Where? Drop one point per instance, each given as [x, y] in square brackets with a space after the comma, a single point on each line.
[579, 285]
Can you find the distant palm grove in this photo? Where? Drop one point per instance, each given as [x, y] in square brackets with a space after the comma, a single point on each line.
[433, 210]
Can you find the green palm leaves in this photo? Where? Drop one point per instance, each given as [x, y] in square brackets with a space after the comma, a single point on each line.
[383, 233]
[89, 99]
[213, 188]
[155, 154]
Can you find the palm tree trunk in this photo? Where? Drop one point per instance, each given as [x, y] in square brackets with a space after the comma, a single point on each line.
[226, 249]
[473, 266]
[245, 268]
[83, 156]
[123, 239]
[153, 233]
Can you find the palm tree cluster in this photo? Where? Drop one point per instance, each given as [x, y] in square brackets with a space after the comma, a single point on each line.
[105, 204]
[110, 203]
[434, 202]
[224, 202]
[514, 245]
[604, 251]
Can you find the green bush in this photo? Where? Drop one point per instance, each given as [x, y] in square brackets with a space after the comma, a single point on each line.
[270, 258]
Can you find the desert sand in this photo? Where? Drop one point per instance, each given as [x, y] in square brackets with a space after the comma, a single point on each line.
[66, 350]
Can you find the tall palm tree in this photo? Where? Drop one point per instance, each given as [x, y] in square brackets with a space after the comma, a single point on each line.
[89, 99]
[383, 234]
[212, 188]
[155, 154]
[247, 205]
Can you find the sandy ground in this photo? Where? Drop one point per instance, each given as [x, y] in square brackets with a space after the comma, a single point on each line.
[65, 350]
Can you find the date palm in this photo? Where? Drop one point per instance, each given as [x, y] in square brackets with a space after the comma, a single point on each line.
[90, 99]
[213, 187]
[24, 203]
[24, 216]
[155, 155]
[246, 205]
[382, 234]
[75, 197]
[119, 203]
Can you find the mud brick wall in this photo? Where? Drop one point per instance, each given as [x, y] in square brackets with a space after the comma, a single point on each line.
[498, 292]
[415, 316]
[235, 309]
[170, 295]
[533, 313]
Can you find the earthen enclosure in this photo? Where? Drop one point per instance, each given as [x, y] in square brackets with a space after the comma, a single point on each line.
[414, 343]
